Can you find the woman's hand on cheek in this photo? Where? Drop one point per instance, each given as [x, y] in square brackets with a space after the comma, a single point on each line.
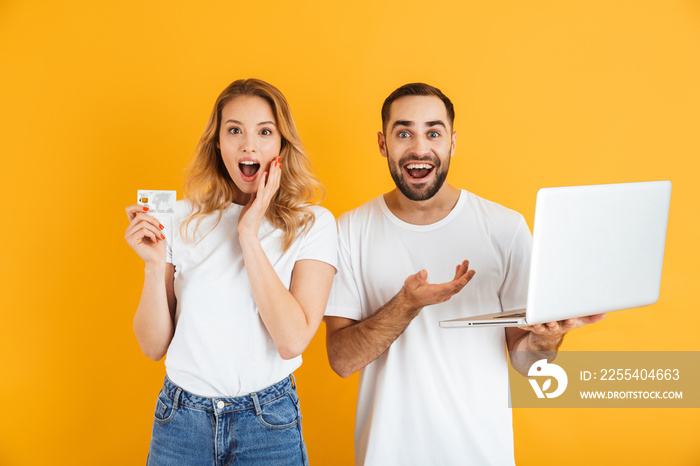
[254, 211]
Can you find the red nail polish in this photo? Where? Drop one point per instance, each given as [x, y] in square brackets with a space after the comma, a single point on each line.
[162, 237]
[161, 227]
[280, 165]
[145, 209]
[279, 159]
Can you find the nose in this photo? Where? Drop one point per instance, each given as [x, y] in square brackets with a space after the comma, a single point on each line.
[421, 146]
[249, 143]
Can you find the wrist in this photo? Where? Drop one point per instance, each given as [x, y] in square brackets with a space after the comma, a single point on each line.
[246, 236]
[408, 301]
[156, 268]
[544, 343]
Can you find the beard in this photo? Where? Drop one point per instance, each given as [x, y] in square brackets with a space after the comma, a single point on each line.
[424, 192]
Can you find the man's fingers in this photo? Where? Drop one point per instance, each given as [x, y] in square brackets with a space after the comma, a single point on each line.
[461, 269]
[562, 326]
[536, 328]
[413, 282]
[428, 293]
[462, 280]
[553, 326]
[592, 319]
[444, 291]
[470, 275]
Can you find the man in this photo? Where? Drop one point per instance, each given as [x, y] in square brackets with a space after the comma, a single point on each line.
[427, 395]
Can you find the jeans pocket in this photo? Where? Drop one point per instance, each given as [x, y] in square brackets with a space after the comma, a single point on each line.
[281, 413]
[164, 409]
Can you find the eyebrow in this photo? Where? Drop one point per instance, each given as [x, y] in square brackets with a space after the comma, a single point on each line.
[428, 124]
[259, 124]
[401, 123]
[436, 123]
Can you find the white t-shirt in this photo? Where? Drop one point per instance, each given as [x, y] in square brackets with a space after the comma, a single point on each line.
[221, 347]
[437, 396]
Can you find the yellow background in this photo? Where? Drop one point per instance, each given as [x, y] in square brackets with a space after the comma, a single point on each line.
[99, 99]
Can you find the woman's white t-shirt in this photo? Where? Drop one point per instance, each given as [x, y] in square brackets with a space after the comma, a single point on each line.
[221, 347]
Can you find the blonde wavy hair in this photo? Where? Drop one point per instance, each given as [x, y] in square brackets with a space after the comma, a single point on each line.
[209, 187]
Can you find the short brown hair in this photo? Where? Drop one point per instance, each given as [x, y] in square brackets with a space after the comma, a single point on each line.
[416, 89]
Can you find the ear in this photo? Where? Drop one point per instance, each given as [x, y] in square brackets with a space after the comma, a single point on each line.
[454, 144]
[381, 141]
[218, 146]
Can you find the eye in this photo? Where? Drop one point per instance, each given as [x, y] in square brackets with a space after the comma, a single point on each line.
[403, 134]
[433, 134]
[265, 132]
[234, 130]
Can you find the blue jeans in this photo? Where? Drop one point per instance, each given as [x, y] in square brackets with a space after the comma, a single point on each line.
[262, 428]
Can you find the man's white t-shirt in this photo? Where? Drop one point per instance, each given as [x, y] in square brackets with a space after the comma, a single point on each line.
[221, 347]
[436, 396]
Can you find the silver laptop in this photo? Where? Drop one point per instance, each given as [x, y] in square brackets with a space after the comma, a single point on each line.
[595, 249]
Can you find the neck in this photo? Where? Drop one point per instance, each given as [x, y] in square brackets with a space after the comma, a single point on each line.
[240, 198]
[423, 212]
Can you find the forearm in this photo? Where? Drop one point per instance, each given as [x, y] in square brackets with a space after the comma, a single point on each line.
[533, 342]
[353, 347]
[153, 322]
[285, 320]
[528, 347]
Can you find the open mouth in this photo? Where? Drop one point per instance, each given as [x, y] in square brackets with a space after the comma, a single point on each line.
[418, 171]
[248, 168]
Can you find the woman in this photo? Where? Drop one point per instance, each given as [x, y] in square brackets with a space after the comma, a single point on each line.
[237, 289]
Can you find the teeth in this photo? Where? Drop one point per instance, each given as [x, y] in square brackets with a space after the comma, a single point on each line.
[248, 162]
[418, 166]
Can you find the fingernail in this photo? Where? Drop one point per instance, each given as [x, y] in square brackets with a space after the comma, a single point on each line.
[280, 165]
[279, 159]
[265, 174]
[161, 227]
[145, 209]
[162, 237]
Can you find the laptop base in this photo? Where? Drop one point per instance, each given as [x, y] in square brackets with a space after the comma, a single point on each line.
[514, 318]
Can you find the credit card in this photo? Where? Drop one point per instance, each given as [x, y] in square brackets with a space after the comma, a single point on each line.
[161, 205]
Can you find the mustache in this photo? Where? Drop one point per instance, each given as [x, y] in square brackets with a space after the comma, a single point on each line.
[426, 158]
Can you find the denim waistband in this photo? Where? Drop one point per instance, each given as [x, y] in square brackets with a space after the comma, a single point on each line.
[222, 404]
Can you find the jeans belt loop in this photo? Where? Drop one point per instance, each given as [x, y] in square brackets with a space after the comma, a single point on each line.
[176, 401]
[294, 381]
[256, 403]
